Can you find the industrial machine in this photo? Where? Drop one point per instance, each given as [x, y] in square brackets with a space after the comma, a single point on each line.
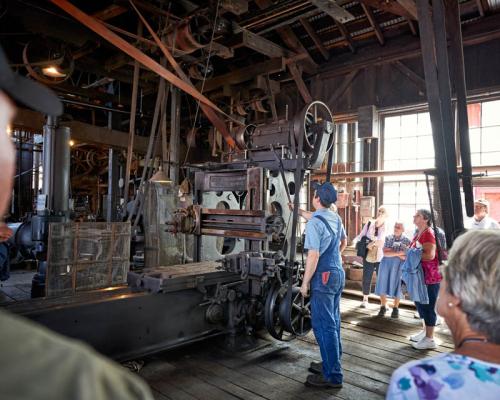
[255, 280]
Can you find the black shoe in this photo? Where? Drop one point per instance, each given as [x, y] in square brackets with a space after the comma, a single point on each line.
[395, 313]
[316, 367]
[320, 382]
[382, 311]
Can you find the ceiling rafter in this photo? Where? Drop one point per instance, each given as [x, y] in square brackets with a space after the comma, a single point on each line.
[373, 22]
[315, 38]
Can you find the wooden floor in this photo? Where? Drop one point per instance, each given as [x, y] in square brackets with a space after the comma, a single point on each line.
[373, 348]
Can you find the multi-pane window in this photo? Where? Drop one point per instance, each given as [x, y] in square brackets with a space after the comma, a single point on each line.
[484, 132]
[407, 145]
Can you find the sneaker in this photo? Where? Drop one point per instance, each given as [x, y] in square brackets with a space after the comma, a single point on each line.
[417, 337]
[316, 367]
[364, 304]
[382, 311]
[395, 313]
[424, 344]
[320, 382]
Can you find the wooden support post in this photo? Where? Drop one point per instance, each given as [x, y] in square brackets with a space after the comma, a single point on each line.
[373, 23]
[131, 132]
[297, 77]
[456, 53]
[437, 79]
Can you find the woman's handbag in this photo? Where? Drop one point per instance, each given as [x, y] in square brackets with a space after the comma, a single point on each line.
[371, 256]
[362, 245]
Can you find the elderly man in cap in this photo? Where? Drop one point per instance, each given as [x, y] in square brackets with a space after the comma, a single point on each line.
[324, 278]
[38, 363]
[481, 219]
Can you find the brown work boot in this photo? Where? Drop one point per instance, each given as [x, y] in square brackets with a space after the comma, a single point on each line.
[316, 367]
[320, 382]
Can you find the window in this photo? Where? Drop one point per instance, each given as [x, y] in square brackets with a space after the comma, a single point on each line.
[484, 132]
[407, 144]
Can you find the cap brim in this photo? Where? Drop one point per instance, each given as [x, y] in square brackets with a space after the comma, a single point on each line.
[34, 95]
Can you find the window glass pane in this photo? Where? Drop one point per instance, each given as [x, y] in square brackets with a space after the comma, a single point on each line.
[475, 158]
[422, 195]
[409, 125]
[475, 140]
[474, 115]
[407, 193]
[408, 164]
[408, 147]
[392, 127]
[490, 138]
[424, 124]
[391, 193]
[392, 149]
[426, 163]
[406, 213]
[424, 146]
[391, 165]
[490, 158]
[490, 113]
[393, 211]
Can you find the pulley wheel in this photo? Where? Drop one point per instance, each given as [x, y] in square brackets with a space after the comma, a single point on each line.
[295, 312]
[308, 122]
[272, 313]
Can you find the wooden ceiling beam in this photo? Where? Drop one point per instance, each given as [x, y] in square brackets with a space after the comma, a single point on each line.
[315, 38]
[347, 36]
[410, 6]
[109, 12]
[245, 74]
[391, 6]
[373, 23]
[290, 39]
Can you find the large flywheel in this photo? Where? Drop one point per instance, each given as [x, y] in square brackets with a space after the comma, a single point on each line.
[295, 312]
[287, 313]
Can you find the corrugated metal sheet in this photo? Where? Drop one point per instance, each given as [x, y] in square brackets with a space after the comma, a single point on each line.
[494, 4]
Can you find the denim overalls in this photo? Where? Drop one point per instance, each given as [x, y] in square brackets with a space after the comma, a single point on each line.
[326, 287]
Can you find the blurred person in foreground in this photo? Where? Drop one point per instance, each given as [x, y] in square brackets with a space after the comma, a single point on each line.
[469, 302]
[36, 362]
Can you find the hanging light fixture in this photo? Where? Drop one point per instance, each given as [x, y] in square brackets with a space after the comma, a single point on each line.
[160, 177]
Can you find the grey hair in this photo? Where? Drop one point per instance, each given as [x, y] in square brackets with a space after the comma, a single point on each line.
[426, 214]
[473, 275]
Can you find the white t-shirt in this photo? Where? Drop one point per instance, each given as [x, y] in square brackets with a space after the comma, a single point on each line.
[448, 377]
[485, 223]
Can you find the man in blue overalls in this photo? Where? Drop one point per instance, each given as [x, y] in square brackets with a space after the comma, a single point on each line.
[325, 239]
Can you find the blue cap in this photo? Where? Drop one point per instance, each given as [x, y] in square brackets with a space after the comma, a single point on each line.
[326, 192]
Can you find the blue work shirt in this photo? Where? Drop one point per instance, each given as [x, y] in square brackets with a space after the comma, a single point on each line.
[317, 236]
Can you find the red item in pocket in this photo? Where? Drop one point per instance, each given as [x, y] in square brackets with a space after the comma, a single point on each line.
[324, 277]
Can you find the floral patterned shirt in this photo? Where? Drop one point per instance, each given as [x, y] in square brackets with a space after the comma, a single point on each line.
[448, 376]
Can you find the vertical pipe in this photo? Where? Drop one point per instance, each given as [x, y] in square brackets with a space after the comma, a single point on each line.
[60, 169]
[112, 198]
[175, 133]
[48, 153]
